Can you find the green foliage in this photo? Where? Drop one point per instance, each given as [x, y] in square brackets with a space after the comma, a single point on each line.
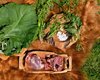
[40, 3]
[43, 9]
[92, 65]
[60, 2]
[78, 47]
[53, 30]
[18, 24]
[0, 6]
[74, 23]
[74, 4]
[68, 3]
[98, 12]
[98, 1]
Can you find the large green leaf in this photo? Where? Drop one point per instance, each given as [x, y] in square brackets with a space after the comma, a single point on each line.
[18, 24]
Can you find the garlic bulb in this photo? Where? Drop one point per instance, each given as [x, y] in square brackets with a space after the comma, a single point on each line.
[62, 36]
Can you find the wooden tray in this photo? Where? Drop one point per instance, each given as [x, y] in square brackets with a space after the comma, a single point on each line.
[68, 60]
